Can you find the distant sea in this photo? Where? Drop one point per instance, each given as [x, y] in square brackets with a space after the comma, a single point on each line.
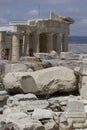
[77, 44]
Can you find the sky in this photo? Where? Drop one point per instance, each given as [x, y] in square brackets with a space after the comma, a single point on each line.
[21, 10]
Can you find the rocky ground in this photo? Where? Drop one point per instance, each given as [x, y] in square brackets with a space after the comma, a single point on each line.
[44, 92]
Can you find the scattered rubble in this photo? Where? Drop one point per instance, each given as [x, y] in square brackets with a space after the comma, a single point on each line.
[51, 98]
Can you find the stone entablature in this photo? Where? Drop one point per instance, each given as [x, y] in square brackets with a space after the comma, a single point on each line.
[42, 35]
[43, 26]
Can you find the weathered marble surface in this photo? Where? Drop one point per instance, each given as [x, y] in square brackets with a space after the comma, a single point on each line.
[44, 82]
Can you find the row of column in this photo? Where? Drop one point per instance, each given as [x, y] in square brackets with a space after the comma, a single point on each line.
[26, 44]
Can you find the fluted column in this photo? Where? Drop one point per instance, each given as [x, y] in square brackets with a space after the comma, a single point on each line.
[65, 42]
[36, 42]
[25, 38]
[23, 45]
[58, 43]
[2, 41]
[15, 47]
[49, 42]
[27, 44]
[1, 45]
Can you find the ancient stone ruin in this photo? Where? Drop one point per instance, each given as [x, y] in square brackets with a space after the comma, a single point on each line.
[32, 36]
[42, 85]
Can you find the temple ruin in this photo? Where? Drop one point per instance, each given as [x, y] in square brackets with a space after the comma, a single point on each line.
[33, 36]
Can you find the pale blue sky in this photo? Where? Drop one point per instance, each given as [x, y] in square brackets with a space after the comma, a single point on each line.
[20, 10]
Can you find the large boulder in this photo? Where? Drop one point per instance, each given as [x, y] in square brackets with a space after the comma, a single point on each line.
[46, 81]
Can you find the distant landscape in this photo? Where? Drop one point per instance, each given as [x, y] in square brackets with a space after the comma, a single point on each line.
[77, 39]
[78, 44]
